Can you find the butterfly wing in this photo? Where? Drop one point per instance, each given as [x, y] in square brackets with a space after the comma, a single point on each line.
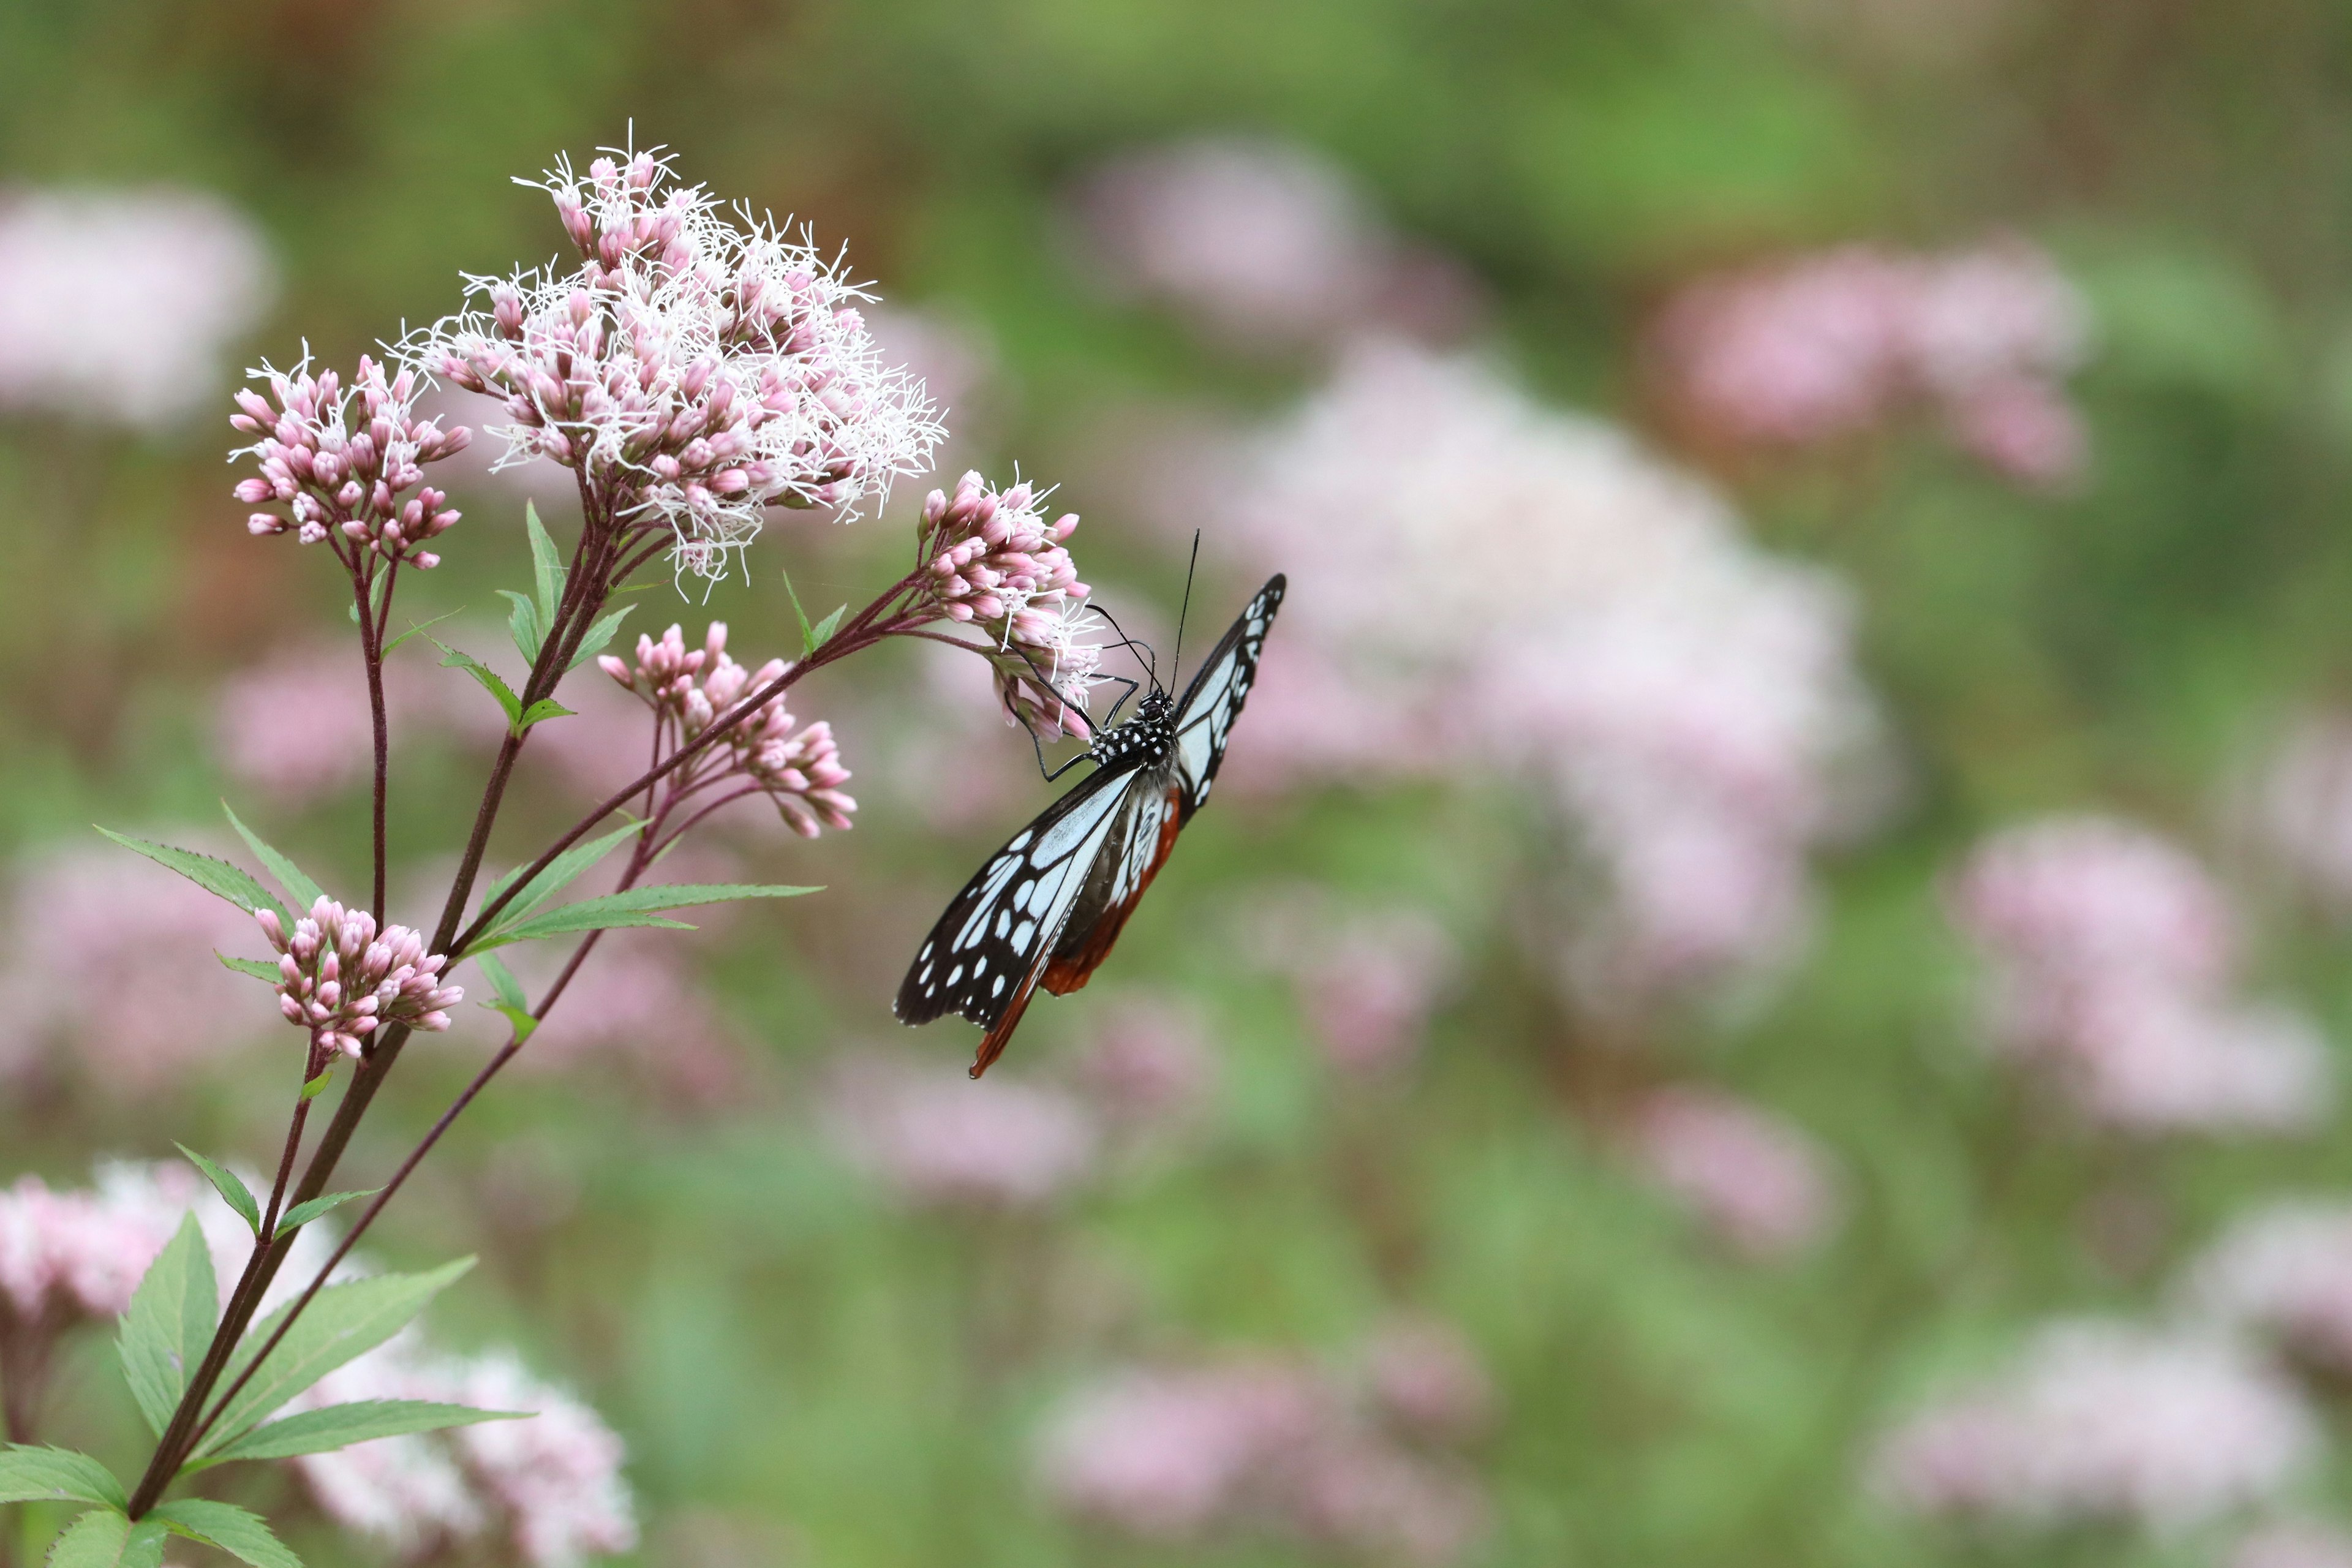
[1204, 719]
[1164, 802]
[985, 956]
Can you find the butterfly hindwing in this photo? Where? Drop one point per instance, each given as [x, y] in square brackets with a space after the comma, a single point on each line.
[1204, 719]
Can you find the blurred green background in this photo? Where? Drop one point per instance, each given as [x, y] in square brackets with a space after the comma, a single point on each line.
[806, 1368]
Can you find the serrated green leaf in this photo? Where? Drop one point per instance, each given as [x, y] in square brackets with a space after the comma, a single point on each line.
[290, 876]
[598, 635]
[823, 629]
[105, 1539]
[232, 1191]
[523, 625]
[416, 628]
[634, 907]
[211, 873]
[57, 1475]
[259, 968]
[490, 679]
[546, 565]
[341, 1425]
[343, 1321]
[237, 1531]
[317, 1086]
[559, 874]
[170, 1323]
[546, 708]
[301, 1214]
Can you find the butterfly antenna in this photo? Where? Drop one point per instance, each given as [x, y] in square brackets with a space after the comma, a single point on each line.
[1186, 608]
[1151, 657]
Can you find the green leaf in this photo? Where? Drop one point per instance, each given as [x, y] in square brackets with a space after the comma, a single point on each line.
[290, 876]
[511, 1000]
[170, 1323]
[598, 635]
[491, 682]
[259, 968]
[546, 566]
[808, 633]
[546, 708]
[104, 1539]
[416, 628]
[231, 1190]
[340, 1426]
[56, 1475]
[823, 629]
[343, 1321]
[211, 873]
[301, 1214]
[634, 907]
[559, 875]
[317, 1086]
[523, 624]
[237, 1531]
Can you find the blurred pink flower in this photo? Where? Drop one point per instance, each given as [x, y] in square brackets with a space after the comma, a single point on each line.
[2097, 1420]
[1370, 991]
[935, 1136]
[1756, 1179]
[1691, 703]
[2111, 955]
[83, 1252]
[1428, 1380]
[1175, 1453]
[2286, 1272]
[1829, 345]
[297, 723]
[1148, 1060]
[636, 1009]
[1256, 242]
[549, 1487]
[114, 956]
[2291, 1544]
[121, 305]
[2301, 807]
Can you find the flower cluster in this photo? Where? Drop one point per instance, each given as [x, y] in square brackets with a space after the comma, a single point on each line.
[990, 560]
[1174, 1453]
[690, 689]
[1826, 346]
[696, 370]
[296, 723]
[2098, 1420]
[118, 305]
[2112, 959]
[342, 980]
[72, 1253]
[2285, 1273]
[346, 461]
[935, 1137]
[1759, 1182]
[548, 1490]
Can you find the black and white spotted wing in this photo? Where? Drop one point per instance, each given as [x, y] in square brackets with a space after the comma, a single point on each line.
[1048, 906]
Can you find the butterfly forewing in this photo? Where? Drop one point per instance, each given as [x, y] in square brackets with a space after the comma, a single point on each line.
[1205, 719]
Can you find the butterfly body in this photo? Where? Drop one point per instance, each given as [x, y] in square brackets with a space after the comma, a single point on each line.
[1047, 907]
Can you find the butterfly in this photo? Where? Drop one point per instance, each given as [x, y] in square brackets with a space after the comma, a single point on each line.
[1047, 907]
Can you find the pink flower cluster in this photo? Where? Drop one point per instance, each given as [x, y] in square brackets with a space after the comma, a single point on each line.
[2285, 1274]
[2097, 1420]
[994, 563]
[340, 980]
[548, 1488]
[346, 462]
[696, 368]
[1261, 244]
[934, 1137]
[691, 688]
[1368, 982]
[1148, 1061]
[113, 959]
[1485, 582]
[120, 305]
[1175, 1453]
[65, 1255]
[2111, 956]
[297, 724]
[1827, 346]
[1757, 1180]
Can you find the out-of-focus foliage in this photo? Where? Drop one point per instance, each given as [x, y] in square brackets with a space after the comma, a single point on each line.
[834, 1334]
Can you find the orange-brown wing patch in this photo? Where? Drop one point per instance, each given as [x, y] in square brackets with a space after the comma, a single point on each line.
[992, 1043]
[1065, 975]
